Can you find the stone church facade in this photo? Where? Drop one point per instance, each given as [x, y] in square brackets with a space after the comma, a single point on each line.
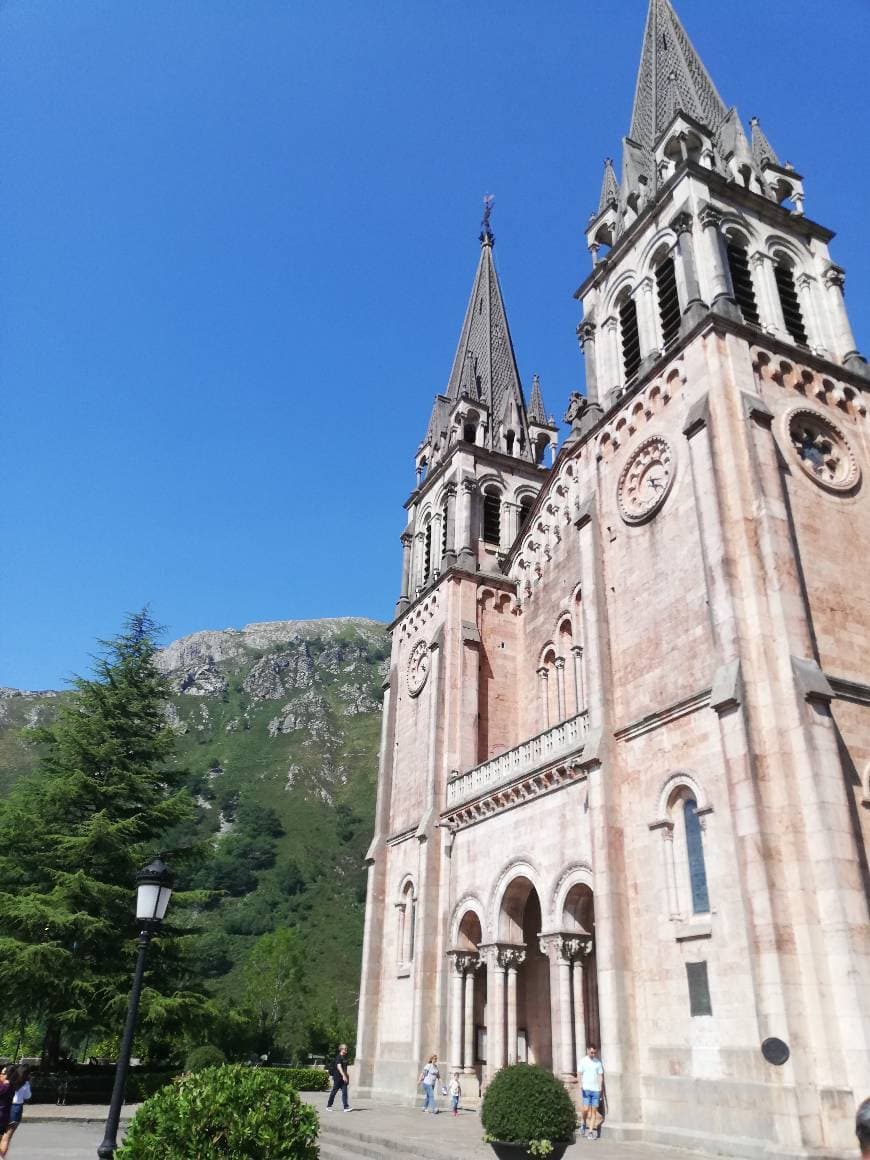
[623, 789]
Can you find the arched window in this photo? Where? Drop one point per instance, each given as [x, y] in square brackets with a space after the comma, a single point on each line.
[492, 516]
[695, 857]
[406, 909]
[541, 445]
[741, 280]
[443, 530]
[668, 301]
[630, 336]
[783, 272]
[526, 505]
[509, 442]
[427, 551]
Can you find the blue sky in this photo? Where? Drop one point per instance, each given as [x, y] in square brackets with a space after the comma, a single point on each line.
[236, 241]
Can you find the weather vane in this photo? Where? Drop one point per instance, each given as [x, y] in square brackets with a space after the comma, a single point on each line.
[485, 230]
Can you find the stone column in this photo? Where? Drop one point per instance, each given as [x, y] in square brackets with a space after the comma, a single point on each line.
[466, 544]
[512, 959]
[511, 522]
[579, 690]
[449, 557]
[560, 1002]
[579, 949]
[686, 267]
[419, 561]
[457, 979]
[560, 687]
[807, 294]
[544, 696]
[767, 295]
[612, 364]
[405, 596]
[436, 542]
[719, 276]
[586, 337]
[468, 1052]
[495, 1011]
[838, 318]
[648, 331]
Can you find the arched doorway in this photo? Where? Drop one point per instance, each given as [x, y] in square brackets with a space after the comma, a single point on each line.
[527, 1025]
[468, 997]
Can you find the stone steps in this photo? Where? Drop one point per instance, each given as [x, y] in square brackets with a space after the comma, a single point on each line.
[343, 1137]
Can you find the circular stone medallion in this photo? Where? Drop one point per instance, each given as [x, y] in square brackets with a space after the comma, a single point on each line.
[646, 480]
[418, 667]
[822, 450]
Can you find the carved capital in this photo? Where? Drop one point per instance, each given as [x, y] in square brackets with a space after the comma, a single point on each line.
[682, 223]
[512, 958]
[407, 538]
[586, 332]
[710, 217]
[550, 945]
[759, 259]
[543, 672]
[576, 947]
[611, 323]
[469, 486]
[577, 651]
[464, 961]
[835, 275]
[804, 281]
[560, 663]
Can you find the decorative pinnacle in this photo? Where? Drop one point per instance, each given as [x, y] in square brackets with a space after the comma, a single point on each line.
[487, 237]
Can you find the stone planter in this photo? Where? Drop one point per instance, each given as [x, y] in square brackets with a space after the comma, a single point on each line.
[505, 1151]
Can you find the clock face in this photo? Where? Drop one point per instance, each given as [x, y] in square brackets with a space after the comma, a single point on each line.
[646, 480]
[822, 450]
[418, 667]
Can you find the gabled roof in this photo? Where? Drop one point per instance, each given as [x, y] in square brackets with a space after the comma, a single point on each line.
[671, 78]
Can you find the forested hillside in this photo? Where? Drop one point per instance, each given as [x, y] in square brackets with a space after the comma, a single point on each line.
[277, 729]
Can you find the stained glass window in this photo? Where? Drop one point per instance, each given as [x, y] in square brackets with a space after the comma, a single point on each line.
[695, 851]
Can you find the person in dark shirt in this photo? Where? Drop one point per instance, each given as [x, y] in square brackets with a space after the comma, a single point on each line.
[340, 1079]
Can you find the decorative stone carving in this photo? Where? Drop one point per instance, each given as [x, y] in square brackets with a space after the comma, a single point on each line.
[511, 957]
[418, 667]
[822, 450]
[646, 480]
[464, 961]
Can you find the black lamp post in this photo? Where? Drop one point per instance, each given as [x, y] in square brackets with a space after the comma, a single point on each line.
[153, 888]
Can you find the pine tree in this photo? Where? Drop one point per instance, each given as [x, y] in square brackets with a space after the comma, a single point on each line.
[72, 837]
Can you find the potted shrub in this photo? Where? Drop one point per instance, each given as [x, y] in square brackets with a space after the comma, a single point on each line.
[526, 1111]
[224, 1113]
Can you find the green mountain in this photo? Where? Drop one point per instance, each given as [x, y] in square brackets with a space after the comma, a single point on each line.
[277, 725]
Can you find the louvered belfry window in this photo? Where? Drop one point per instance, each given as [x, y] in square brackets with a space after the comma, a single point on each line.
[427, 558]
[741, 279]
[669, 301]
[791, 307]
[630, 338]
[492, 517]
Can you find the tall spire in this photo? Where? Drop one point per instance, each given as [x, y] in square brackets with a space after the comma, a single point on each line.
[537, 414]
[762, 150]
[485, 367]
[609, 187]
[671, 78]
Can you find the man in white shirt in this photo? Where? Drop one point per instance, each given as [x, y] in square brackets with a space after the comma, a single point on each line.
[591, 1085]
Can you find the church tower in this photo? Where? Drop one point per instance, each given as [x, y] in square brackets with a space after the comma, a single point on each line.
[625, 763]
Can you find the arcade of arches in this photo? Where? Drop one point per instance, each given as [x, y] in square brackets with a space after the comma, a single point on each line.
[530, 996]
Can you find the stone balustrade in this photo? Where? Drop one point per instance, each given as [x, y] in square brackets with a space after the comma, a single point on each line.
[538, 751]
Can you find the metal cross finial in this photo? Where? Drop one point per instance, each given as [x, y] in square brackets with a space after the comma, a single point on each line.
[486, 234]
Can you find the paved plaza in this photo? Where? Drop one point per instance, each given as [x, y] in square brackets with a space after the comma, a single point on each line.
[371, 1130]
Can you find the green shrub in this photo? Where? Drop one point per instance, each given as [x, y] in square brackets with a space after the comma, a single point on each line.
[306, 1079]
[224, 1113]
[202, 1057]
[527, 1105]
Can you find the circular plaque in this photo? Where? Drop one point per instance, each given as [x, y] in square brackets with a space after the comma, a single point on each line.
[775, 1051]
[822, 450]
[418, 667]
[646, 480]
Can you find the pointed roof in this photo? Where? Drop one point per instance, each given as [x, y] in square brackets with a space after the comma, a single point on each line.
[537, 413]
[671, 78]
[609, 187]
[485, 367]
[762, 150]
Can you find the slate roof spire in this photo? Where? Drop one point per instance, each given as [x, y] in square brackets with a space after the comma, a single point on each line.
[609, 187]
[537, 413]
[485, 367]
[762, 150]
[671, 77]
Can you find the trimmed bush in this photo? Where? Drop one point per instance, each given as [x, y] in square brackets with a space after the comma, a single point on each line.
[224, 1113]
[203, 1057]
[528, 1105]
[306, 1079]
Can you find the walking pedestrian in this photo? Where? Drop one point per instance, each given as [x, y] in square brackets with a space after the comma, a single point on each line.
[591, 1087]
[340, 1080]
[862, 1129]
[20, 1080]
[429, 1078]
[455, 1093]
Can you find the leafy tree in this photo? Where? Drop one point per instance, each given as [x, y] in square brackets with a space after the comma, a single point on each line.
[72, 837]
[273, 991]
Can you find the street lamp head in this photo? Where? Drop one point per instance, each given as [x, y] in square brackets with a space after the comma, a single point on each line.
[153, 887]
